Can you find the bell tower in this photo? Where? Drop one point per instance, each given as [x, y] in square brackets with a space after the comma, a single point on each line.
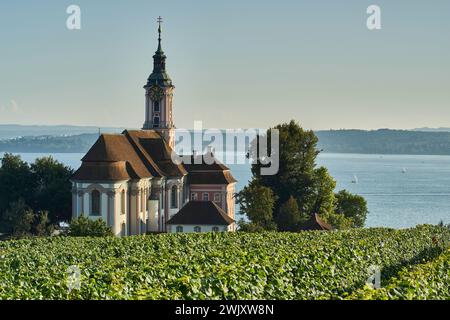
[159, 97]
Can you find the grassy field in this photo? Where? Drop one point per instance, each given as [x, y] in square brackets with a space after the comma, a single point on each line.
[414, 264]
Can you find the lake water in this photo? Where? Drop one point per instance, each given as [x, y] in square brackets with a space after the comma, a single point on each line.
[401, 191]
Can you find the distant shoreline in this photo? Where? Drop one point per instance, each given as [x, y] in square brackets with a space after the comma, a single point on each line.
[321, 153]
[383, 142]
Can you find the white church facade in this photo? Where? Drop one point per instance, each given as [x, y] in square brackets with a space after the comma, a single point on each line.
[130, 181]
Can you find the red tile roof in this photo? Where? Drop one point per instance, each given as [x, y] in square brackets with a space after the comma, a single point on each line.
[137, 154]
[315, 223]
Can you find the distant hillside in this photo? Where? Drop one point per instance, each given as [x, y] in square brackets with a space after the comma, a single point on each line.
[385, 142]
[332, 141]
[49, 144]
[426, 129]
[9, 131]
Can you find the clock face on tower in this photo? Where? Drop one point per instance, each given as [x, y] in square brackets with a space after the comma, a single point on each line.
[156, 93]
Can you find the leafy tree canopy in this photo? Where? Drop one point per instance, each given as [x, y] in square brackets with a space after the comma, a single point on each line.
[43, 187]
[300, 180]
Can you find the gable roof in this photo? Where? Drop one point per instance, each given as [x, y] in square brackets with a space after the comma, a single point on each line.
[201, 172]
[315, 223]
[201, 213]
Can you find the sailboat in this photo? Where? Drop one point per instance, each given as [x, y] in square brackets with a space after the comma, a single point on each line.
[404, 170]
[355, 179]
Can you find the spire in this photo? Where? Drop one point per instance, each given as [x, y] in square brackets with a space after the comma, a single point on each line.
[159, 76]
[160, 20]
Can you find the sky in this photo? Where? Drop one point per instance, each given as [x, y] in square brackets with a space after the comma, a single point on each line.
[235, 63]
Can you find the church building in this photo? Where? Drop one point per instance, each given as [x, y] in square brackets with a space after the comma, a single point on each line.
[130, 181]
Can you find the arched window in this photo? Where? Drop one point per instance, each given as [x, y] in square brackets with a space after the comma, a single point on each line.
[95, 203]
[215, 229]
[197, 229]
[179, 229]
[156, 106]
[122, 202]
[156, 122]
[174, 197]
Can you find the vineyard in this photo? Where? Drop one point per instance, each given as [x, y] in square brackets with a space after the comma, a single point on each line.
[413, 263]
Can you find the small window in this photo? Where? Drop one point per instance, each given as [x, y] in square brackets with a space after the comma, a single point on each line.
[123, 230]
[217, 197]
[179, 229]
[122, 202]
[193, 196]
[197, 229]
[174, 197]
[205, 196]
[156, 122]
[95, 203]
[156, 106]
[215, 229]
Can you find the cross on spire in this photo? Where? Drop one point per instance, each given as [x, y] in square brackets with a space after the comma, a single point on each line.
[160, 20]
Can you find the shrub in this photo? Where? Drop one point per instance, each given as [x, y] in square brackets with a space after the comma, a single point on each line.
[20, 221]
[85, 227]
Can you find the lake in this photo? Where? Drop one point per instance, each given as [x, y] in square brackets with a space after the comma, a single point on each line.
[401, 191]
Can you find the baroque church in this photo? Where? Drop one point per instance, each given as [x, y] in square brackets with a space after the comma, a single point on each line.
[130, 181]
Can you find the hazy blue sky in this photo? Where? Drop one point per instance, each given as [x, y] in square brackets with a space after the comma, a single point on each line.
[234, 63]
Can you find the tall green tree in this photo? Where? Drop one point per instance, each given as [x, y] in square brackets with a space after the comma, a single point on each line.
[43, 187]
[52, 188]
[16, 181]
[298, 175]
[299, 178]
[297, 156]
